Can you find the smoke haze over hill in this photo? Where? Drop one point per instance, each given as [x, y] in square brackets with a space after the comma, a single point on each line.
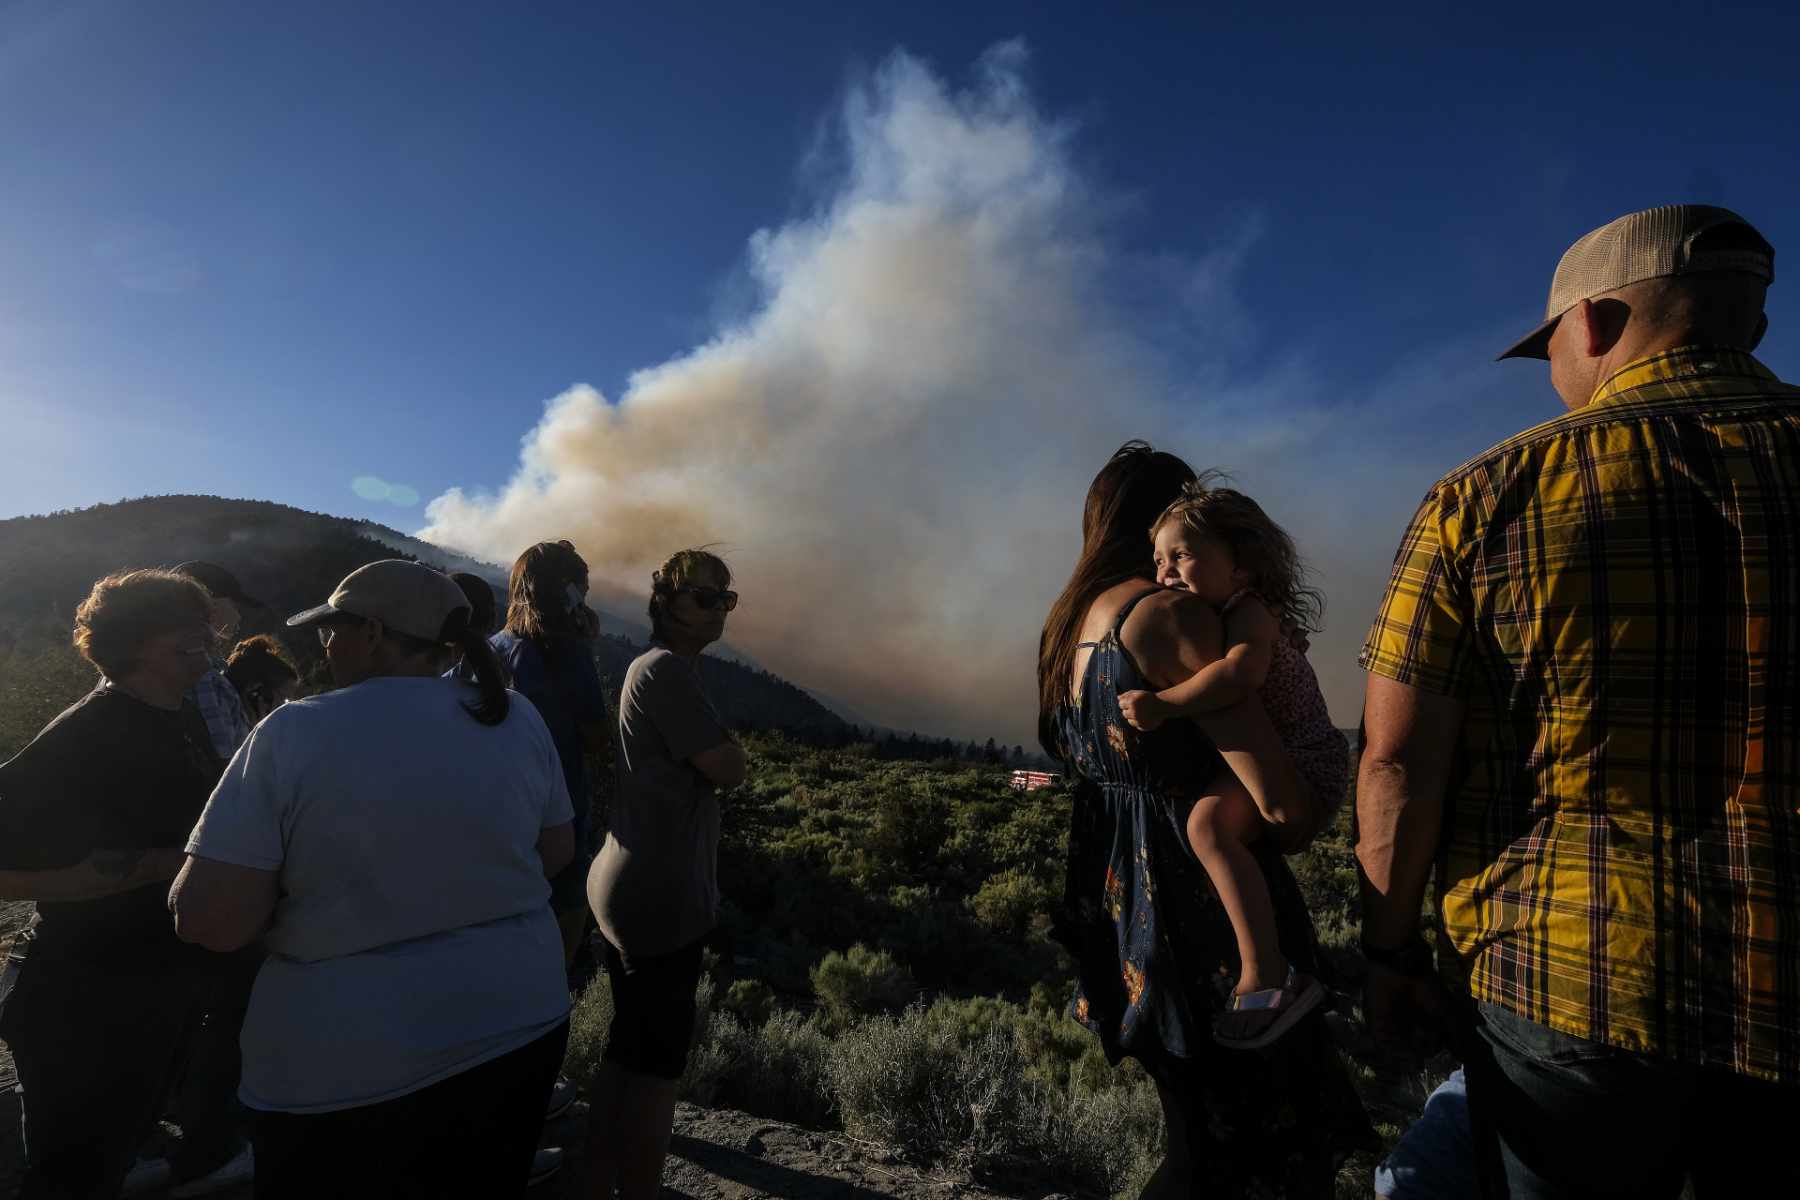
[892, 443]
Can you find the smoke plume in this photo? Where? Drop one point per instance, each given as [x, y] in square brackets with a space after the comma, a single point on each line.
[892, 446]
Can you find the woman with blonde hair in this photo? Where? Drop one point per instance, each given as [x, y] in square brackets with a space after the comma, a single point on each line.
[654, 886]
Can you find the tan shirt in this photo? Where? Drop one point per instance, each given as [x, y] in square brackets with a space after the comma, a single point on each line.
[654, 886]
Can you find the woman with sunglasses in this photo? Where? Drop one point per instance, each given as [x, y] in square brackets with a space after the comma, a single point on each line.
[654, 886]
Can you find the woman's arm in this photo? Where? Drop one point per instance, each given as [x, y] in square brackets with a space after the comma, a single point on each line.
[556, 847]
[103, 873]
[220, 905]
[724, 765]
[1174, 635]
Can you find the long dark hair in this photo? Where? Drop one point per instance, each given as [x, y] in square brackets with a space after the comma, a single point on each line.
[491, 678]
[537, 605]
[1128, 494]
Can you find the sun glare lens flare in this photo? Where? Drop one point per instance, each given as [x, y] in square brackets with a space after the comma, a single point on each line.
[373, 487]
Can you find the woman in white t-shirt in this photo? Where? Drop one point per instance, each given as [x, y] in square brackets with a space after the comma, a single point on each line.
[391, 842]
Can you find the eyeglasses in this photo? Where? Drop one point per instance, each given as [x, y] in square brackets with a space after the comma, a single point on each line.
[710, 598]
[328, 629]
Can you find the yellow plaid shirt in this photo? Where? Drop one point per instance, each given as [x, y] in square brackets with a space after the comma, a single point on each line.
[1615, 595]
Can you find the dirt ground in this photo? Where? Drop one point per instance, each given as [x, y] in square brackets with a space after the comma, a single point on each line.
[716, 1154]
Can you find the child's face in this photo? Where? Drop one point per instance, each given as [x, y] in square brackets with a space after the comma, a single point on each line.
[1198, 563]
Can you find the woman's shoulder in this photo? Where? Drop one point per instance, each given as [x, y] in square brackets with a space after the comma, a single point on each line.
[74, 734]
[652, 661]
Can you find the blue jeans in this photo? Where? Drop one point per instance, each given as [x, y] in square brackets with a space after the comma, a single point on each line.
[1559, 1116]
[1436, 1156]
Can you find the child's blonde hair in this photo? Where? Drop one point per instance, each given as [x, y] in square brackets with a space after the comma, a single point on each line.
[1259, 545]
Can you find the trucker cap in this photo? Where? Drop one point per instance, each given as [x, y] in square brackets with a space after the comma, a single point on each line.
[1645, 245]
[218, 582]
[405, 596]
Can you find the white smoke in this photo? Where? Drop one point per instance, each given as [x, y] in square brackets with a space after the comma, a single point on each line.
[892, 448]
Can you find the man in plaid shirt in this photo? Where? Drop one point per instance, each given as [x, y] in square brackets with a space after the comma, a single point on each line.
[1583, 709]
[219, 702]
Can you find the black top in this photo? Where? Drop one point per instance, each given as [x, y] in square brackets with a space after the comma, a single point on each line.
[109, 773]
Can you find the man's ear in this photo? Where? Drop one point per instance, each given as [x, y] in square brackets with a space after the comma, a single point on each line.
[1602, 322]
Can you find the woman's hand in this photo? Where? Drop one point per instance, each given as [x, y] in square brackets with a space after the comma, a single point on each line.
[1144, 710]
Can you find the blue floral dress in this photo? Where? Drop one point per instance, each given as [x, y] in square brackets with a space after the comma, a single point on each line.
[1156, 957]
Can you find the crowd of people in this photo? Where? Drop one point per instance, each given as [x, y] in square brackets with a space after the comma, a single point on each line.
[332, 937]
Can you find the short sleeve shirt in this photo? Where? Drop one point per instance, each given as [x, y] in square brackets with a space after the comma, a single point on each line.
[1615, 595]
[110, 773]
[654, 886]
[563, 684]
[413, 937]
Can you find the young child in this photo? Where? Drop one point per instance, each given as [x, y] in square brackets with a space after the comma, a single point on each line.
[1220, 545]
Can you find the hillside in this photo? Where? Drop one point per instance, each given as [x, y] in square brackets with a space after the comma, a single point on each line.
[286, 557]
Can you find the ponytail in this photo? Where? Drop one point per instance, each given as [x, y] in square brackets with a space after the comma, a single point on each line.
[489, 671]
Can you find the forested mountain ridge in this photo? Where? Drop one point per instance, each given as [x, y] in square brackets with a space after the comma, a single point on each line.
[286, 557]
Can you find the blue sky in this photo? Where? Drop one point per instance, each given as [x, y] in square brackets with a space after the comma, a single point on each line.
[265, 251]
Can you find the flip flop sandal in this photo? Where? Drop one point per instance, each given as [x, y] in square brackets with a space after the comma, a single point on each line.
[1280, 1007]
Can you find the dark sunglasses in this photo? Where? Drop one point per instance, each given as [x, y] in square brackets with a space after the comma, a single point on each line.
[710, 598]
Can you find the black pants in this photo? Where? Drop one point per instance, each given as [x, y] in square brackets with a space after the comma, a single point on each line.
[653, 1009]
[213, 1123]
[96, 1051]
[1560, 1117]
[472, 1134]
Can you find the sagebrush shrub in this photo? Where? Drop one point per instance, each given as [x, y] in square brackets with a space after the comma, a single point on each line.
[860, 981]
[750, 1001]
[1007, 902]
[905, 1082]
[589, 1020]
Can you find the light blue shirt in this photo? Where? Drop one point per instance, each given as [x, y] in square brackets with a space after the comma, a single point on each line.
[412, 939]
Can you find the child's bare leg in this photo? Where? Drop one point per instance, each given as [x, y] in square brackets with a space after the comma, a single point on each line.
[1220, 828]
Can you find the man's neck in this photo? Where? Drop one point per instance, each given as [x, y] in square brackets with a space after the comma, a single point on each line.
[1649, 344]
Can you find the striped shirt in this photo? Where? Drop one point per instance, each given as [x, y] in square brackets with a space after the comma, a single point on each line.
[1615, 595]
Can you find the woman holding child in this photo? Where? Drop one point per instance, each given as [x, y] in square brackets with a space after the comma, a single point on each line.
[1167, 816]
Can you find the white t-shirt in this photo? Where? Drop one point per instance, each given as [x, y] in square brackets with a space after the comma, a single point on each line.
[413, 937]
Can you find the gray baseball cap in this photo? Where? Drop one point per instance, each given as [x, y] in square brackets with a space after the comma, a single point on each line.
[1644, 245]
[405, 596]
